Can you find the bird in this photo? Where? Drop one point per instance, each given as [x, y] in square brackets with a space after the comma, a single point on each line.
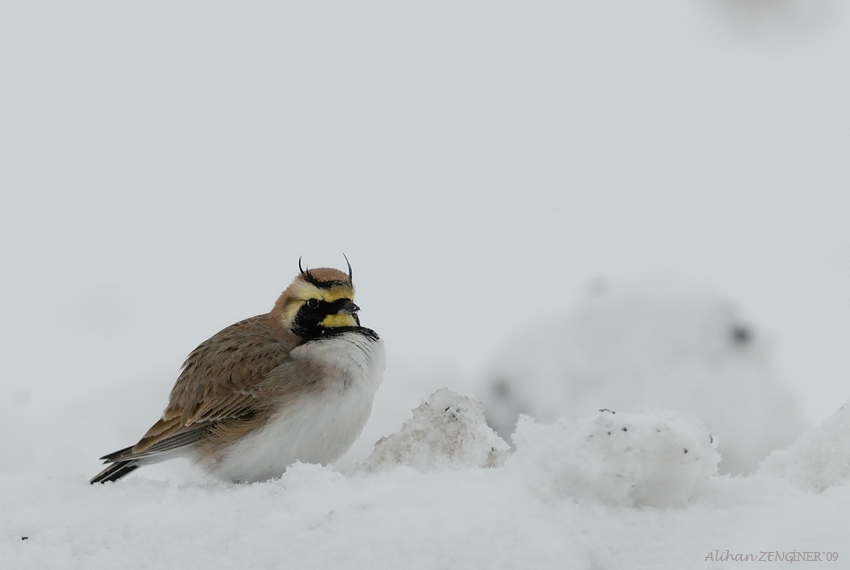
[295, 384]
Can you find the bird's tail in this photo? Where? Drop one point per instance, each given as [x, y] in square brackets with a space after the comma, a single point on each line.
[117, 468]
[115, 471]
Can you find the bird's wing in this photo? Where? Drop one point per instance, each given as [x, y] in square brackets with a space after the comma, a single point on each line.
[220, 392]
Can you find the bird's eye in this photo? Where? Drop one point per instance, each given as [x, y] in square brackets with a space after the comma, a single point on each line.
[312, 303]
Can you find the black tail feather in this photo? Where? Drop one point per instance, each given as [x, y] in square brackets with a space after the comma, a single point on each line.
[115, 471]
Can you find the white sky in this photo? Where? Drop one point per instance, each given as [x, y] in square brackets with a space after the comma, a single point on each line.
[163, 167]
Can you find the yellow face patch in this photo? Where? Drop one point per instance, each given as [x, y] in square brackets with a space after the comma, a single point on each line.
[339, 320]
[302, 291]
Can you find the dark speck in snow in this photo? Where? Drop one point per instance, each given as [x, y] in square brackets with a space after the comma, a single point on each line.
[741, 335]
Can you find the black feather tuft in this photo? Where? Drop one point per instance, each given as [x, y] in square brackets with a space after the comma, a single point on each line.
[308, 277]
[350, 276]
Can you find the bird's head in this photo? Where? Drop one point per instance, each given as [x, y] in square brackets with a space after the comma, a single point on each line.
[317, 302]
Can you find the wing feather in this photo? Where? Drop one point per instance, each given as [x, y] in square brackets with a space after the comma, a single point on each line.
[220, 392]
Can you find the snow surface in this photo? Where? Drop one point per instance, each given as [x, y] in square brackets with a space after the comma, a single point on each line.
[626, 346]
[819, 459]
[576, 494]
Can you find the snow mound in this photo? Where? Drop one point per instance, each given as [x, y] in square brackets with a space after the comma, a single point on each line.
[660, 459]
[625, 347]
[448, 431]
[820, 458]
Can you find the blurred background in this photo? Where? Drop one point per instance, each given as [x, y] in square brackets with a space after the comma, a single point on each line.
[162, 168]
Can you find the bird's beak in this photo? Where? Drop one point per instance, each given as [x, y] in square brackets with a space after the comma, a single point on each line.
[349, 308]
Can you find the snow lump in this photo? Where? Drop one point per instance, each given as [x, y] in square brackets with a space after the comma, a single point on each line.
[657, 459]
[820, 458]
[626, 346]
[448, 431]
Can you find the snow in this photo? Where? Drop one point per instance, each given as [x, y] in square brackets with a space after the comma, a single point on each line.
[577, 494]
[448, 431]
[819, 459]
[669, 347]
[164, 165]
[659, 459]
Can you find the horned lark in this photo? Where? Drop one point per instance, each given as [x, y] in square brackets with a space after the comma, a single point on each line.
[295, 384]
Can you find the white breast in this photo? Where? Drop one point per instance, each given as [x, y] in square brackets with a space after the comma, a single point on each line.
[320, 426]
